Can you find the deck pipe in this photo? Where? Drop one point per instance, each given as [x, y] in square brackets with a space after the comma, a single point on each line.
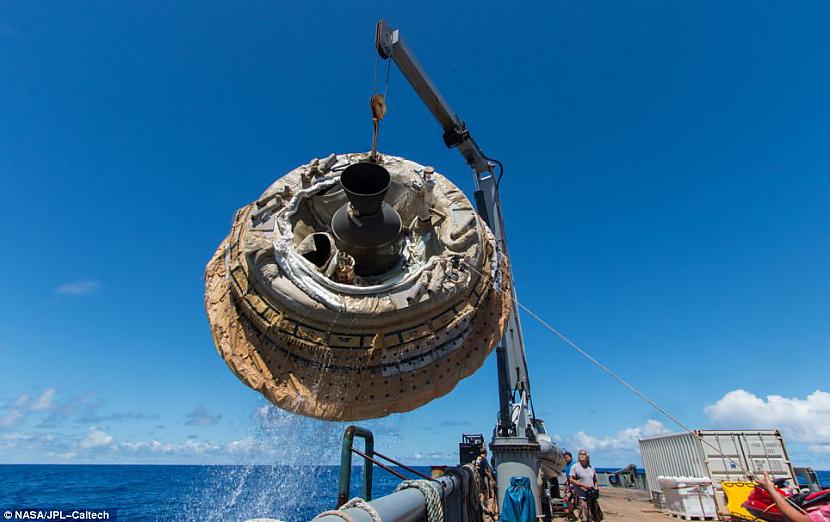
[408, 505]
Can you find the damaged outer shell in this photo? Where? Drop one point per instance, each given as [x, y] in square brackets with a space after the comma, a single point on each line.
[383, 345]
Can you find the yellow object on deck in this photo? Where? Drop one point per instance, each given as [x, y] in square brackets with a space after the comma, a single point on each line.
[736, 493]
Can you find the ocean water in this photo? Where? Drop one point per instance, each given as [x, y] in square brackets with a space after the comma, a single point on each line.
[824, 478]
[189, 493]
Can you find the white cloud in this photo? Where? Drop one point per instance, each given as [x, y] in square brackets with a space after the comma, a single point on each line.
[18, 409]
[44, 402]
[96, 438]
[98, 446]
[22, 401]
[67, 455]
[23, 440]
[188, 447]
[80, 287]
[243, 445]
[11, 419]
[52, 410]
[201, 416]
[433, 456]
[802, 420]
[624, 441]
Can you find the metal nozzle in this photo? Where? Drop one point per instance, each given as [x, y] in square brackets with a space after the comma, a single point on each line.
[365, 184]
[367, 228]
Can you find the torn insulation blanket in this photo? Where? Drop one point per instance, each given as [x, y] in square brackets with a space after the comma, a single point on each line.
[293, 319]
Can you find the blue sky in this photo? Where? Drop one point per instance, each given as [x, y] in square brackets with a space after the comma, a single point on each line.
[666, 197]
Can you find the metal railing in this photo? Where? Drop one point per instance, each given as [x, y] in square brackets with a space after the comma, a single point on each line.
[406, 505]
[346, 451]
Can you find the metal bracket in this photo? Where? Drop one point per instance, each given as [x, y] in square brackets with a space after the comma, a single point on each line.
[385, 39]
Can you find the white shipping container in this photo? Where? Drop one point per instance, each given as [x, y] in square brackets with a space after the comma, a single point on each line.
[717, 455]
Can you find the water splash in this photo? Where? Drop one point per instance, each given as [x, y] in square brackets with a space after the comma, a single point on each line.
[290, 475]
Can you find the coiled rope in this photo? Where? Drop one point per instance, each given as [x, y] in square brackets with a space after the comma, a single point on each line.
[473, 486]
[432, 497]
[357, 503]
[478, 489]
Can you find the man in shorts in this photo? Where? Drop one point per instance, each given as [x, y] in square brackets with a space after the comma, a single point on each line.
[583, 478]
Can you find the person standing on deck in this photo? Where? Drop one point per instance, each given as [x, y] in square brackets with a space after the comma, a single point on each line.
[583, 479]
[569, 497]
[569, 462]
[482, 465]
[487, 485]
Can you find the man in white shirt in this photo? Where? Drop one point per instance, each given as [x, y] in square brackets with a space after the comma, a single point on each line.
[583, 478]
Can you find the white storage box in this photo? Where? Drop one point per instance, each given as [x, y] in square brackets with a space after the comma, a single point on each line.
[690, 497]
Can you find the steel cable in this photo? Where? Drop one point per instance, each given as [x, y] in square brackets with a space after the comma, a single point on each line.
[614, 375]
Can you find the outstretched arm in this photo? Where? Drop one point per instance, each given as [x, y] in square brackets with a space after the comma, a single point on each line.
[786, 509]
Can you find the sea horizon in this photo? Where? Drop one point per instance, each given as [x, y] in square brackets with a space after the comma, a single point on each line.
[204, 492]
[197, 492]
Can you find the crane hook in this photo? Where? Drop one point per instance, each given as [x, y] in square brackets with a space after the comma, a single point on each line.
[378, 105]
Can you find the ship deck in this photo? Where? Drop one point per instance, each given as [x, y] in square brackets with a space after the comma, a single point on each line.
[619, 504]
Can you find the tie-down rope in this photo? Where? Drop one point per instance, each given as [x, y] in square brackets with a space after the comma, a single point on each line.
[356, 502]
[432, 497]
